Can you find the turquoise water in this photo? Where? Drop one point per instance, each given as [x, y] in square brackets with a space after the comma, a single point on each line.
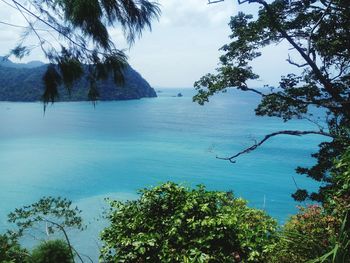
[86, 153]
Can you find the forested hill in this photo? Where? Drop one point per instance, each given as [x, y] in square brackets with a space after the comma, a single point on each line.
[23, 82]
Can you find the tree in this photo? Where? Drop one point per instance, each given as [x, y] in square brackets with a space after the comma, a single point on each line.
[74, 37]
[172, 223]
[51, 214]
[318, 31]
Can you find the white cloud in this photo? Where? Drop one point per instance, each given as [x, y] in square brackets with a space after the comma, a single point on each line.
[194, 13]
[11, 35]
[182, 47]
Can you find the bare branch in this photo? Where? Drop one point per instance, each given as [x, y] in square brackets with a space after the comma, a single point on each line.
[71, 248]
[21, 26]
[343, 69]
[214, 2]
[41, 40]
[321, 128]
[290, 61]
[269, 136]
[245, 88]
[59, 226]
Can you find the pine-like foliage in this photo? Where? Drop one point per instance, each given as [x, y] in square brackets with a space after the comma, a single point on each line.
[74, 35]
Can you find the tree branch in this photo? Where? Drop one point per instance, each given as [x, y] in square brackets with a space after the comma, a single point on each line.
[214, 1]
[71, 248]
[269, 136]
[20, 6]
[41, 40]
[323, 79]
[290, 61]
[21, 26]
[245, 88]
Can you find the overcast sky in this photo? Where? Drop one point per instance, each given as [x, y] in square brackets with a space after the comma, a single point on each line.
[183, 44]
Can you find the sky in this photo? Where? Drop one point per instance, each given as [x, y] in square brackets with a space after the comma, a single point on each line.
[182, 46]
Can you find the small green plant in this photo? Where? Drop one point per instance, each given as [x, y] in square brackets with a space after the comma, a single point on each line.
[320, 233]
[338, 204]
[11, 251]
[172, 223]
[53, 251]
[306, 236]
[52, 214]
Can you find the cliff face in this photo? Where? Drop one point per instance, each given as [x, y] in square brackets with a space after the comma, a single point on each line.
[23, 82]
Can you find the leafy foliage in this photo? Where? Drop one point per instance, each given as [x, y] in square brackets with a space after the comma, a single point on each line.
[57, 211]
[54, 214]
[320, 234]
[72, 34]
[318, 32]
[338, 198]
[171, 223]
[338, 205]
[52, 251]
[306, 236]
[11, 251]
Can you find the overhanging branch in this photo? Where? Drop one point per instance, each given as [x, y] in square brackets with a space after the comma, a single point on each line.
[322, 79]
[269, 136]
[246, 88]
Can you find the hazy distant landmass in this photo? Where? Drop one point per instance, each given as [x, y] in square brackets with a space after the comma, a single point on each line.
[23, 82]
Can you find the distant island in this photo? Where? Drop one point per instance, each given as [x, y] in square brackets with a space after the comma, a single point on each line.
[22, 82]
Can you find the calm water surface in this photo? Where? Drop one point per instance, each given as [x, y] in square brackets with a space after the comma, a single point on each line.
[86, 153]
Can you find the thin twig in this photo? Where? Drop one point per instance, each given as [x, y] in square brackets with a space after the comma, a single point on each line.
[41, 41]
[54, 28]
[290, 61]
[20, 26]
[245, 88]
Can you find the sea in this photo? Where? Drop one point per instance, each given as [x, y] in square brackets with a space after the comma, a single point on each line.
[87, 153]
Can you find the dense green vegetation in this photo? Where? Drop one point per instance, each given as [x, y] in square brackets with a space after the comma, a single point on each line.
[26, 84]
[318, 34]
[11, 251]
[52, 251]
[171, 223]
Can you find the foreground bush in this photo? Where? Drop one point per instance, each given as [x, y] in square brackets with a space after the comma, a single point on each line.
[171, 223]
[11, 251]
[338, 205]
[320, 233]
[53, 251]
[306, 236]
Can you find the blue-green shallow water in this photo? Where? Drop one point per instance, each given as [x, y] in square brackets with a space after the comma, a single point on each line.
[86, 153]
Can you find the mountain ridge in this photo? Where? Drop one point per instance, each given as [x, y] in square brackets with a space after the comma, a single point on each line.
[22, 82]
[5, 62]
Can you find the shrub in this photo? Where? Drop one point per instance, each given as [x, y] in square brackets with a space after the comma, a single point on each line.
[171, 223]
[53, 251]
[307, 235]
[338, 205]
[11, 251]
